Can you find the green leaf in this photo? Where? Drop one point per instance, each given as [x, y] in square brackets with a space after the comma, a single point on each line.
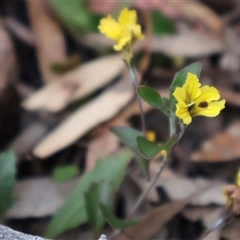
[98, 192]
[128, 136]
[73, 212]
[112, 220]
[76, 16]
[146, 148]
[153, 98]
[150, 95]
[64, 173]
[161, 24]
[149, 149]
[169, 144]
[7, 179]
[180, 79]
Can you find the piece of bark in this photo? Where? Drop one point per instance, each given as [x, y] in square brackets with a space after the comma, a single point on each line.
[7, 233]
[49, 39]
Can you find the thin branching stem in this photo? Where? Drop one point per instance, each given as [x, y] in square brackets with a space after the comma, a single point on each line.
[151, 185]
[133, 76]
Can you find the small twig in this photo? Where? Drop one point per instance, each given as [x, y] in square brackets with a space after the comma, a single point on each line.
[143, 195]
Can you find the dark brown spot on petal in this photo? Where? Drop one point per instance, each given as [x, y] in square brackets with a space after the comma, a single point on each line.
[190, 106]
[203, 105]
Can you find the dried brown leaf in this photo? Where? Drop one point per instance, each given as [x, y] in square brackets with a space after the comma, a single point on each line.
[179, 187]
[75, 84]
[101, 147]
[24, 142]
[19, 30]
[207, 214]
[49, 39]
[188, 44]
[231, 58]
[99, 110]
[223, 147]
[7, 60]
[39, 197]
[196, 11]
[232, 230]
[230, 96]
[153, 221]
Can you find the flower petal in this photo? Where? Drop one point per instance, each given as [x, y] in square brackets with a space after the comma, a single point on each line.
[127, 17]
[111, 28]
[212, 110]
[192, 87]
[183, 113]
[180, 94]
[208, 94]
[122, 42]
[136, 31]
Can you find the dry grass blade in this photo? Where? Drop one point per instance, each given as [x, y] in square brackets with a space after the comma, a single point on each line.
[75, 84]
[49, 39]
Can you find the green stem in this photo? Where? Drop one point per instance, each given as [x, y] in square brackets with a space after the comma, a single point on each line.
[151, 185]
[133, 76]
[172, 125]
[172, 131]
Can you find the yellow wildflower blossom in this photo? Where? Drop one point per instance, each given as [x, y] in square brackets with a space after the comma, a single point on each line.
[125, 31]
[194, 100]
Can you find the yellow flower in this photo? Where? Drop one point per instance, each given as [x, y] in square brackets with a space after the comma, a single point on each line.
[125, 32]
[151, 136]
[194, 100]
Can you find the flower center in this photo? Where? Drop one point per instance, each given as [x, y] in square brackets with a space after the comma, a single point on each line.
[203, 105]
[190, 106]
